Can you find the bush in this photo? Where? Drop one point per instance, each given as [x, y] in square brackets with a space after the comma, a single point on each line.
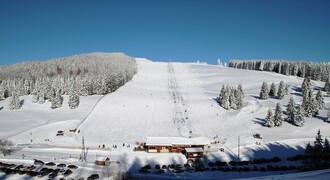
[233, 163]
[276, 159]
[211, 164]
[255, 168]
[147, 166]
[262, 169]
[6, 147]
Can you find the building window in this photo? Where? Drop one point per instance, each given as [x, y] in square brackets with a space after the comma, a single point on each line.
[151, 147]
[165, 147]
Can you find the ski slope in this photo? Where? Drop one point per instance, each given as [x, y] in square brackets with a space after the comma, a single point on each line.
[165, 99]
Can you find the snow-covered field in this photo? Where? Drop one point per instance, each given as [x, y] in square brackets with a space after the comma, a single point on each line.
[163, 99]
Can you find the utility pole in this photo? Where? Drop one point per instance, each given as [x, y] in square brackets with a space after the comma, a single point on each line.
[238, 147]
[83, 158]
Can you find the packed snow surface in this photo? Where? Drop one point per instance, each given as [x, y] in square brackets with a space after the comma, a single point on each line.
[163, 100]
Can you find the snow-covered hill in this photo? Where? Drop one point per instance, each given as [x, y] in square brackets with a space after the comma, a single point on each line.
[169, 99]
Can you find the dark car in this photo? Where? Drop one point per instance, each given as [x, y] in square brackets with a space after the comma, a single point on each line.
[38, 162]
[72, 167]
[50, 164]
[52, 175]
[67, 172]
[93, 176]
[61, 165]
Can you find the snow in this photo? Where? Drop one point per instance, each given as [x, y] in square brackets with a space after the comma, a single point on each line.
[170, 101]
[154, 141]
[194, 150]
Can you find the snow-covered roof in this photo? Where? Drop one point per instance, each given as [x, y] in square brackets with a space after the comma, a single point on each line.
[102, 158]
[194, 150]
[169, 141]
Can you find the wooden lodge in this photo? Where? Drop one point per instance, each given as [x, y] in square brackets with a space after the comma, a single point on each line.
[102, 161]
[192, 147]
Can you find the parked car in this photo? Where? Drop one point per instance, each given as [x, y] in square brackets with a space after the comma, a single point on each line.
[52, 175]
[72, 166]
[67, 172]
[61, 165]
[38, 162]
[50, 164]
[93, 176]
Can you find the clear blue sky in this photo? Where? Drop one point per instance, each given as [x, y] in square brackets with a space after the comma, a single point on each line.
[177, 30]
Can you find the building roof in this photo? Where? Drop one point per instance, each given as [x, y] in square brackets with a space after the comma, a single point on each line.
[194, 150]
[169, 141]
[102, 159]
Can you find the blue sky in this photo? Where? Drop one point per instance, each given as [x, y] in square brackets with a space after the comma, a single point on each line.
[177, 30]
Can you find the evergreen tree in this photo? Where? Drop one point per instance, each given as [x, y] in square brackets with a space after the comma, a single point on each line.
[280, 92]
[238, 99]
[41, 98]
[73, 98]
[15, 102]
[269, 119]
[298, 118]
[307, 103]
[318, 143]
[327, 85]
[326, 152]
[319, 100]
[73, 101]
[222, 92]
[225, 99]
[306, 86]
[290, 110]
[315, 109]
[278, 115]
[241, 92]
[286, 89]
[57, 101]
[272, 90]
[35, 98]
[2, 92]
[264, 91]
[328, 116]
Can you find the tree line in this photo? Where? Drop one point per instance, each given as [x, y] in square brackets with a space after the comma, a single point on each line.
[316, 71]
[79, 75]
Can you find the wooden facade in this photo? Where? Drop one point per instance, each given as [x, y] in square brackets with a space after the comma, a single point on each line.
[176, 145]
[102, 161]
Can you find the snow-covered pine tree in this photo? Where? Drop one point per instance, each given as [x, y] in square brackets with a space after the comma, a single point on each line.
[225, 99]
[280, 92]
[57, 100]
[306, 86]
[41, 98]
[232, 98]
[327, 85]
[307, 103]
[73, 98]
[298, 118]
[238, 99]
[222, 92]
[241, 92]
[2, 92]
[14, 102]
[327, 119]
[264, 91]
[290, 110]
[272, 90]
[286, 89]
[35, 98]
[319, 100]
[269, 119]
[318, 143]
[315, 109]
[278, 119]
